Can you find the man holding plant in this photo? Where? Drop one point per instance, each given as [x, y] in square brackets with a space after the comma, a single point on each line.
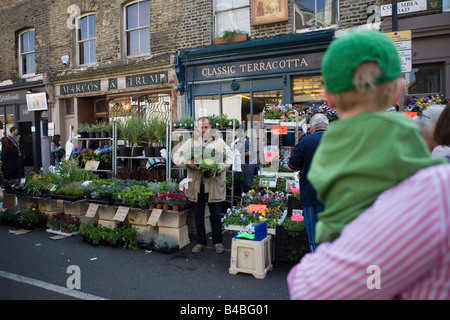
[206, 157]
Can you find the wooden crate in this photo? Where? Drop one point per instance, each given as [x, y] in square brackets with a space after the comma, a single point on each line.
[9, 201]
[253, 257]
[172, 219]
[181, 234]
[75, 208]
[106, 212]
[138, 216]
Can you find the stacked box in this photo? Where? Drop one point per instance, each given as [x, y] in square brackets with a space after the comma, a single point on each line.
[173, 223]
[9, 201]
[290, 247]
[249, 256]
[181, 234]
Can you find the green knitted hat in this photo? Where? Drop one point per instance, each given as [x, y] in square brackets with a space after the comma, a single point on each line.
[347, 52]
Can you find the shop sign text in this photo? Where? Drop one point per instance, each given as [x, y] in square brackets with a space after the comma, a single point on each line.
[81, 87]
[146, 79]
[256, 67]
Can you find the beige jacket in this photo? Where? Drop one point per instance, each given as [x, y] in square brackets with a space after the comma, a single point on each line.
[214, 148]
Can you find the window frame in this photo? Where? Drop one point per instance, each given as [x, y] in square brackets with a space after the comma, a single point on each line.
[308, 29]
[440, 66]
[78, 41]
[126, 31]
[216, 11]
[21, 54]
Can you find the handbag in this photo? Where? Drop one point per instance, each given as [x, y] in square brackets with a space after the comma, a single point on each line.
[59, 153]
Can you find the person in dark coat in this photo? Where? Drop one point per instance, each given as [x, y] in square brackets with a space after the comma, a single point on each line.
[10, 159]
[301, 159]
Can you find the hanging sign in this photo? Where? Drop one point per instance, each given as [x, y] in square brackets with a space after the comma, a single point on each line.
[37, 101]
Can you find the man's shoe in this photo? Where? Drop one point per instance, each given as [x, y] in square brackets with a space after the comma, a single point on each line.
[197, 248]
[219, 248]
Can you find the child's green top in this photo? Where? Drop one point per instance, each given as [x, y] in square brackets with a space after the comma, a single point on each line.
[359, 158]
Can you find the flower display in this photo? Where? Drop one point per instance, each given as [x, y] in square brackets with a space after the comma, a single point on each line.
[242, 215]
[418, 105]
[286, 113]
[319, 108]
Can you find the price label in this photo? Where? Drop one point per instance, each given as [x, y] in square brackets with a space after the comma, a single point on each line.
[257, 208]
[154, 217]
[121, 214]
[91, 165]
[280, 130]
[92, 210]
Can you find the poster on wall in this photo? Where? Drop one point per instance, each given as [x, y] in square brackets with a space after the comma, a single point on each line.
[269, 11]
[37, 101]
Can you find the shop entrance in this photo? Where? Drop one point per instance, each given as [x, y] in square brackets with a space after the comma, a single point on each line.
[26, 143]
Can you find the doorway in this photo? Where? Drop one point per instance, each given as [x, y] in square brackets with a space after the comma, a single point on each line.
[26, 145]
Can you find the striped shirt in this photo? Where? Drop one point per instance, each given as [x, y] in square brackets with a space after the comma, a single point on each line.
[397, 248]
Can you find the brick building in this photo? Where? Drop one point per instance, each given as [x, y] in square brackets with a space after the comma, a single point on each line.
[141, 53]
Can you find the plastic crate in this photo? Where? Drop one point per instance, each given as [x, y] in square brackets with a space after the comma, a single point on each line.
[290, 247]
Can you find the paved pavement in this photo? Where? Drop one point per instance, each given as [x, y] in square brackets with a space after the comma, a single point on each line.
[32, 266]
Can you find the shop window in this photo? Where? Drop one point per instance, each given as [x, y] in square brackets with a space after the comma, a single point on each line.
[86, 40]
[207, 106]
[68, 107]
[137, 28]
[307, 88]
[315, 13]
[232, 15]
[27, 65]
[125, 107]
[424, 80]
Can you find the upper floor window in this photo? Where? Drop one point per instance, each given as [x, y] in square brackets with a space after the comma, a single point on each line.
[232, 15]
[424, 80]
[27, 65]
[137, 28]
[315, 13]
[86, 40]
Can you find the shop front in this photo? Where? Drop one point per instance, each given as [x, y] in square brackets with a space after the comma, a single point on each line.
[241, 79]
[24, 105]
[105, 98]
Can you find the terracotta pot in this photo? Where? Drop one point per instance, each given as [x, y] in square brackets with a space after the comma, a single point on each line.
[175, 208]
[166, 207]
[151, 206]
[159, 206]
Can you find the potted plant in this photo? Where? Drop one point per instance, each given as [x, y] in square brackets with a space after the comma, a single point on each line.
[55, 221]
[160, 135]
[135, 129]
[83, 130]
[208, 167]
[123, 129]
[70, 224]
[32, 218]
[231, 36]
[149, 136]
[165, 244]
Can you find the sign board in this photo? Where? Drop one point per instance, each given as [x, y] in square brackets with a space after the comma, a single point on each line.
[92, 210]
[404, 7]
[121, 213]
[402, 40]
[91, 165]
[37, 101]
[280, 130]
[154, 217]
[259, 208]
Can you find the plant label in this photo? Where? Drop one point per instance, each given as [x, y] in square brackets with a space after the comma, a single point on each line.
[121, 214]
[92, 210]
[154, 217]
